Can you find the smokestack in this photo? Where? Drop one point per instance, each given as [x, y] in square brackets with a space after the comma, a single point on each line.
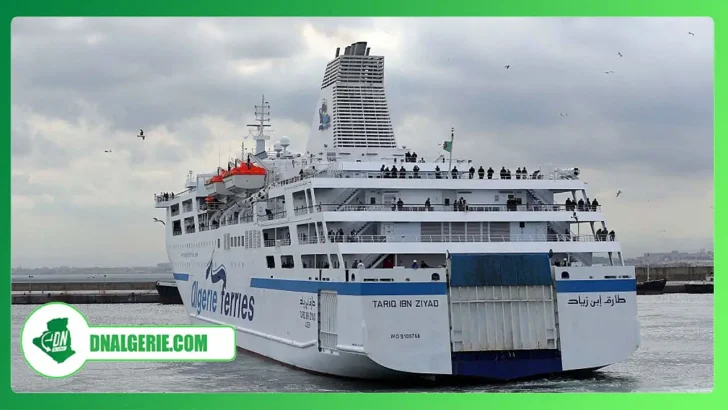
[337, 51]
[346, 50]
[359, 48]
[368, 48]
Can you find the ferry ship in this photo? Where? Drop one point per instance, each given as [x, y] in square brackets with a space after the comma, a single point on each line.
[358, 258]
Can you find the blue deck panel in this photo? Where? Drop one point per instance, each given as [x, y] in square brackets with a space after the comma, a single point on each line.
[509, 269]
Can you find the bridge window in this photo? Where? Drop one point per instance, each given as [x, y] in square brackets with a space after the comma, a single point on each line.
[271, 262]
[564, 275]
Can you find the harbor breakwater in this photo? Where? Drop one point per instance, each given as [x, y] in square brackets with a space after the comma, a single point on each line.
[145, 290]
[674, 273]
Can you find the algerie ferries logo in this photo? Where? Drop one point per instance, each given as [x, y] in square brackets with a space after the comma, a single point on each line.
[208, 299]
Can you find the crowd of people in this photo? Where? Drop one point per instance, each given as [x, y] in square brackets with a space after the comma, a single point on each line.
[164, 196]
[581, 205]
[482, 173]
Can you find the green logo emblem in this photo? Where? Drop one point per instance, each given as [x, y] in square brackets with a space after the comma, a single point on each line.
[56, 341]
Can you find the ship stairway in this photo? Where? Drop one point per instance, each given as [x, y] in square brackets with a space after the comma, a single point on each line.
[562, 237]
[358, 227]
[373, 259]
[542, 197]
[557, 228]
[345, 198]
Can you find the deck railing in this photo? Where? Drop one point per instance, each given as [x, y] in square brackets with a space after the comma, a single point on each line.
[449, 238]
[452, 208]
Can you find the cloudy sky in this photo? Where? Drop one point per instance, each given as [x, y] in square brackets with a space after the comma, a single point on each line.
[82, 86]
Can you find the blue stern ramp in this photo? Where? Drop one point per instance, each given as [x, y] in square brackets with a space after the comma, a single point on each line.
[515, 316]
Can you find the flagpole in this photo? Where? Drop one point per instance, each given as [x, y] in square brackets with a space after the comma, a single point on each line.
[452, 138]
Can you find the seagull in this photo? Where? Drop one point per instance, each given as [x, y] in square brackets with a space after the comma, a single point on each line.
[160, 221]
[620, 54]
[618, 192]
[564, 114]
[691, 33]
[141, 134]
[609, 72]
[107, 151]
[507, 66]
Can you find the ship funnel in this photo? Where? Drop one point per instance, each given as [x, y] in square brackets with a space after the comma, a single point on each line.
[337, 51]
[359, 48]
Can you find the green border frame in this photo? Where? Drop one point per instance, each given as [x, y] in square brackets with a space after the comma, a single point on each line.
[389, 8]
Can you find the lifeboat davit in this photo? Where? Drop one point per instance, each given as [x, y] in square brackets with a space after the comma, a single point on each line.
[216, 184]
[244, 177]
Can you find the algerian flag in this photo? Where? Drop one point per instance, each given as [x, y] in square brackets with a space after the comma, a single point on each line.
[447, 146]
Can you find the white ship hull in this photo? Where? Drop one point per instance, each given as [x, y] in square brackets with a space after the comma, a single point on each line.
[515, 292]
[280, 318]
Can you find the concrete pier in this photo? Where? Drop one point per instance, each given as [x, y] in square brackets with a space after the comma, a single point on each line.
[85, 297]
[134, 288]
[674, 273]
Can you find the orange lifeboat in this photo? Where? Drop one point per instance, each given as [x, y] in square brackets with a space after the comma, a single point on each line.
[245, 176]
[216, 183]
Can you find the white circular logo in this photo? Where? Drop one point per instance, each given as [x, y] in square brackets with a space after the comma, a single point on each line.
[55, 340]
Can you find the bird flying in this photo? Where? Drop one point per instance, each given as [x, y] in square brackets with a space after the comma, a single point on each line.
[160, 221]
[691, 33]
[507, 66]
[618, 192]
[619, 54]
[141, 134]
[107, 150]
[564, 114]
[609, 72]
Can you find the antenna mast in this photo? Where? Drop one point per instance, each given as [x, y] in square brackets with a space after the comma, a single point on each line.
[452, 139]
[262, 117]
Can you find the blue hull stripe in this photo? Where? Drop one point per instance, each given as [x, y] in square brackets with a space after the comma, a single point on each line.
[352, 288]
[182, 276]
[596, 285]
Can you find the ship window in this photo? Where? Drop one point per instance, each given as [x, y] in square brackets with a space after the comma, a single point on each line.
[522, 224]
[564, 275]
[287, 261]
[218, 243]
[335, 261]
[271, 262]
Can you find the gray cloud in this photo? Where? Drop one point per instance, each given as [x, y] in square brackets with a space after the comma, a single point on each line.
[80, 86]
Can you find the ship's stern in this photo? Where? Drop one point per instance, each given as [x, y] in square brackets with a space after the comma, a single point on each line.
[505, 317]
